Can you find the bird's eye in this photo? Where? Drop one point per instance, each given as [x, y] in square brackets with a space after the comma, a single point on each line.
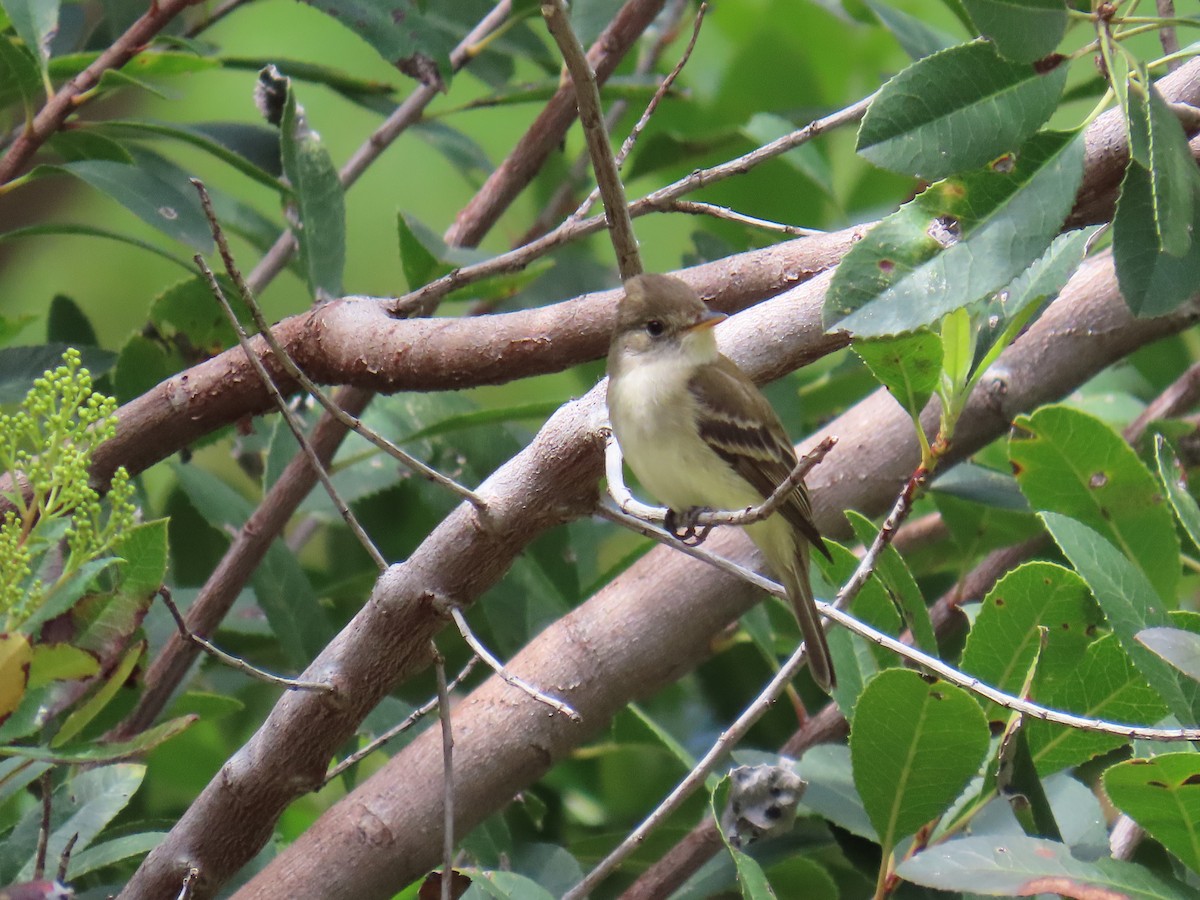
[654, 328]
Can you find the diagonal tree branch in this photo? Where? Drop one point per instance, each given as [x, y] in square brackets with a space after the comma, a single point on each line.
[617, 646]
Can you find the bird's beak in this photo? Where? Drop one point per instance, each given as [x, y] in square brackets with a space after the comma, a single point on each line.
[711, 318]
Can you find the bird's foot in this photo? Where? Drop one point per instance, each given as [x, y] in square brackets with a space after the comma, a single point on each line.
[683, 525]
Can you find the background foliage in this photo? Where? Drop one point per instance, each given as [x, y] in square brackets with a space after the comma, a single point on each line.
[972, 154]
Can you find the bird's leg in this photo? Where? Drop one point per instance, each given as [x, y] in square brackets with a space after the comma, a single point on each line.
[682, 524]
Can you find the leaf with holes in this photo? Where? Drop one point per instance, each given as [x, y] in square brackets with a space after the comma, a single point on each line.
[958, 241]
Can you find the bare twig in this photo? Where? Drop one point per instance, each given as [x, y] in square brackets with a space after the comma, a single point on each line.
[408, 722]
[695, 778]
[560, 203]
[636, 132]
[617, 489]
[591, 117]
[498, 667]
[427, 296]
[64, 858]
[696, 208]
[443, 696]
[289, 417]
[43, 841]
[289, 365]
[292, 684]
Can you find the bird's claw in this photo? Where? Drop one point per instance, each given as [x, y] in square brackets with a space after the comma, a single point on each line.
[684, 527]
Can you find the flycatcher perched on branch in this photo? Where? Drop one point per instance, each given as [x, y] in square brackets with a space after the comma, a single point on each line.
[698, 433]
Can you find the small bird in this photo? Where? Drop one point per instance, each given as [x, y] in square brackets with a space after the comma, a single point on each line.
[698, 433]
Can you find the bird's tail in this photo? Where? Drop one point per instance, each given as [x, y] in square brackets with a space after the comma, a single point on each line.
[795, 579]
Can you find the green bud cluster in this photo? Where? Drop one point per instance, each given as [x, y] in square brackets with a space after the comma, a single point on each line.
[46, 446]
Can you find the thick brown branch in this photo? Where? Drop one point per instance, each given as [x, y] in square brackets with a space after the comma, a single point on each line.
[354, 342]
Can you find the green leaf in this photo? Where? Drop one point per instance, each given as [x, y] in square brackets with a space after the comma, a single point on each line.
[915, 744]
[752, 881]
[1015, 865]
[67, 324]
[1005, 640]
[83, 805]
[280, 585]
[908, 366]
[35, 22]
[1159, 145]
[1009, 310]
[1130, 605]
[92, 753]
[458, 148]
[1162, 795]
[86, 712]
[20, 78]
[1178, 647]
[421, 265]
[66, 593]
[251, 149]
[105, 854]
[979, 484]
[500, 885]
[1103, 685]
[56, 228]
[1022, 30]
[1152, 281]
[159, 203]
[956, 110]
[1172, 476]
[893, 572]
[856, 660]
[321, 204]
[20, 366]
[917, 38]
[60, 662]
[405, 33]
[831, 793]
[956, 242]
[1071, 463]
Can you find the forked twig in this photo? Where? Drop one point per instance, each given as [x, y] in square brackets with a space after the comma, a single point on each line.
[293, 422]
[408, 722]
[292, 684]
[508, 677]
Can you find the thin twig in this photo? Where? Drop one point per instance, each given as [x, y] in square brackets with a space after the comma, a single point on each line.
[408, 722]
[949, 673]
[294, 371]
[559, 202]
[696, 208]
[508, 677]
[290, 417]
[695, 778]
[636, 132]
[425, 298]
[617, 489]
[443, 696]
[43, 841]
[213, 17]
[64, 858]
[591, 117]
[234, 662]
